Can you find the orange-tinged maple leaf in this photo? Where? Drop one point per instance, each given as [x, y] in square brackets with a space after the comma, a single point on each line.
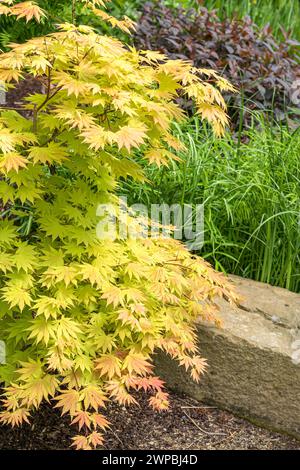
[109, 365]
[96, 136]
[11, 400]
[4, 10]
[83, 418]
[27, 10]
[117, 390]
[81, 443]
[134, 295]
[157, 156]
[170, 345]
[144, 383]
[186, 361]
[95, 439]
[198, 368]
[126, 24]
[137, 364]
[159, 401]
[156, 383]
[174, 142]
[214, 115]
[113, 295]
[38, 390]
[99, 420]
[8, 75]
[126, 316]
[69, 401]
[15, 417]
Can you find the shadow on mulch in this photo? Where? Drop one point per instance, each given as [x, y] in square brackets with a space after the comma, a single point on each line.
[188, 425]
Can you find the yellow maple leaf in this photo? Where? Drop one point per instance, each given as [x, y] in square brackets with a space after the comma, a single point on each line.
[30, 369]
[130, 136]
[93, 397]
[16, 296]
[52, 153]
[12, 161]
[113, 295]
[25, 257]
[37, 390]
[6, 263]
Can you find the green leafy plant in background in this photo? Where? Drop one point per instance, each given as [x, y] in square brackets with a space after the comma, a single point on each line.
[279, 14]
[19, 30]
[264, 70]
[250, 187]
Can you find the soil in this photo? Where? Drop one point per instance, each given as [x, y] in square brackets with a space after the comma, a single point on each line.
[189, 425]
[15, 97]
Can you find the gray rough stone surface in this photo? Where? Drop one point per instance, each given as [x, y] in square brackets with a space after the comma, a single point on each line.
[251, 371]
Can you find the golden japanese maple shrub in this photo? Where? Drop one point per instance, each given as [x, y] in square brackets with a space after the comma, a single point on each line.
[81, 316]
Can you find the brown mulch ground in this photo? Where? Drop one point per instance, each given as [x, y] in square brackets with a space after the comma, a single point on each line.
[15, 97]
[189, 425]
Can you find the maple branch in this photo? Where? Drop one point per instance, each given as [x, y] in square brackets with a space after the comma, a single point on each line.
[73, 11]
[75, 378]
[52, 169]
[12, 107]
[34, 119]
[54, 134]
[87, 53]
[48, 98]
[48, 81]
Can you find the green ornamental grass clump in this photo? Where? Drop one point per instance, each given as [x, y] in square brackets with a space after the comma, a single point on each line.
[249, 185]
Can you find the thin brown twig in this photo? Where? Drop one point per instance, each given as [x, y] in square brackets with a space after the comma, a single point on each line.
[197, 407]
[34, 119]
[117, 437]
[227, 438]
[200, 429]
[49, 98]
